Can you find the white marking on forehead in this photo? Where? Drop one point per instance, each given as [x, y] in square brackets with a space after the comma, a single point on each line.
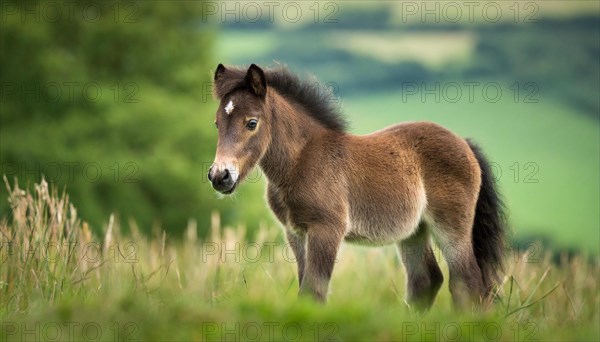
[229, 107]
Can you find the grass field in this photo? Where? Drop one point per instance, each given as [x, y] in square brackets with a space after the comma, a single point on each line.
[60, 282]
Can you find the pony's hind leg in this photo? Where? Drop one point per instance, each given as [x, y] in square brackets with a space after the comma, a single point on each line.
[466, 282]
[423, 275]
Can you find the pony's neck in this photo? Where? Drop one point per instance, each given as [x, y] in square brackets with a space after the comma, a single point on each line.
[291, 130]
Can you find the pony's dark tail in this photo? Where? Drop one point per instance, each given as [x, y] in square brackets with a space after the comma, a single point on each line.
[490, 231]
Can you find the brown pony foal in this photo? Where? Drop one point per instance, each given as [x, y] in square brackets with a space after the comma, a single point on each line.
[398, 185]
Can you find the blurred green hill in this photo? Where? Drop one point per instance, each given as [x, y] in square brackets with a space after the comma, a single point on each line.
[542, 131]
[560, 55]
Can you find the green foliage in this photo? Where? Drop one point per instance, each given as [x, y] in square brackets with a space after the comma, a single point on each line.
[112, 100]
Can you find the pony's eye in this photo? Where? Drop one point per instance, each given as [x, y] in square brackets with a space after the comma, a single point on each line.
[251, 125]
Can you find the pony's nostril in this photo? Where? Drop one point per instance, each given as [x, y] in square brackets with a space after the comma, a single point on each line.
[226, 175]
[210, 178]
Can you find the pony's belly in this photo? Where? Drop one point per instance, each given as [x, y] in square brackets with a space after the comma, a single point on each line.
[385, 220]
[380, 232]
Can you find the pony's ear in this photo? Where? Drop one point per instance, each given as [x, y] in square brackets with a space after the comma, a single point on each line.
[219, 71]
[255, 77]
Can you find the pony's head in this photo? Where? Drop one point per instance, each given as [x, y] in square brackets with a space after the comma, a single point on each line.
[243, 125]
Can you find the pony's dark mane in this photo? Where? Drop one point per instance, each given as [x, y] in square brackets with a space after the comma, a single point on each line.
[315, 98]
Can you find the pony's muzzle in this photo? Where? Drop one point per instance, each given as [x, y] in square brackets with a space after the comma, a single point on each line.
[222, 180]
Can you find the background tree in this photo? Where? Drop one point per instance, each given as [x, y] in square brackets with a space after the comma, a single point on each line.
[110, 99]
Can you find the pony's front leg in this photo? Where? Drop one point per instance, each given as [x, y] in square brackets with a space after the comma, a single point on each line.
[323, 242]
[297, 241]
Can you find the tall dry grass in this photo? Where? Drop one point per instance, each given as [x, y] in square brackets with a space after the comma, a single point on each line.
[48, 252]
[53, 268]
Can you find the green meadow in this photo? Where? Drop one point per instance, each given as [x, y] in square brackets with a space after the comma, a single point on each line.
[61, 282]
